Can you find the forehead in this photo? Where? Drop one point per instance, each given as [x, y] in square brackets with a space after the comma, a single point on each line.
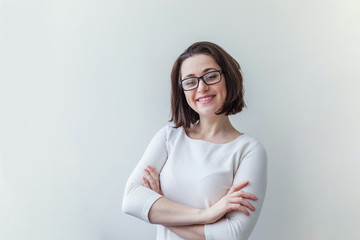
[197, 64]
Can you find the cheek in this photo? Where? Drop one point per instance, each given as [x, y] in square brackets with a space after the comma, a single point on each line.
[188, 98]
[223, 88]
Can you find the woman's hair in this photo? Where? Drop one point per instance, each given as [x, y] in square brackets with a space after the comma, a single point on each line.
[181, 113]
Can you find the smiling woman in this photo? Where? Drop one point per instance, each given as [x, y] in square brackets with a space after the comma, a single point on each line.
[183, 114]
[200, 178]
[204, 99]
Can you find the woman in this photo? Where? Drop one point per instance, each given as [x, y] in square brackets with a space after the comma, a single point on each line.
[200, 178]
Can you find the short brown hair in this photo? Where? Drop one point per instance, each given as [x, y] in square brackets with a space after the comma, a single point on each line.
[181, 113]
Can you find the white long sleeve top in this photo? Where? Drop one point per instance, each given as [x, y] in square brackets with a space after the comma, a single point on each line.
[198, 173]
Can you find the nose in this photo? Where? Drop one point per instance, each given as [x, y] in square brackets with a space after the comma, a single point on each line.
[202, 86]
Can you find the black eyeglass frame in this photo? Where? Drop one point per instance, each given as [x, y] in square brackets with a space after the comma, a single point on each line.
[198, 80]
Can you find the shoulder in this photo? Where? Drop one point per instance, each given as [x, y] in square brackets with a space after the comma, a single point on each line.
[251, 145]
[169, 131]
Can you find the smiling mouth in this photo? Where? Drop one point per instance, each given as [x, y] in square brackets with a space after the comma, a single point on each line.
[203, 99]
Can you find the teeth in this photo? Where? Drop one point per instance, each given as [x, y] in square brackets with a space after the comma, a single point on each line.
[204, 99]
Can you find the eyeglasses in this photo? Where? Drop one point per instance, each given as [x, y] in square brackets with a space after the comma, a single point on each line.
[209, 78]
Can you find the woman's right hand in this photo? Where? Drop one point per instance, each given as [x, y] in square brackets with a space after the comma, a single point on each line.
[151, 179]
[234, 200]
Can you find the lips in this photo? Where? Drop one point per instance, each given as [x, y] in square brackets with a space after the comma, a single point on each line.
[205, 98]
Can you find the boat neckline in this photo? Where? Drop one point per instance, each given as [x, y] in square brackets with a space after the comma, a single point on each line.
[200, 140]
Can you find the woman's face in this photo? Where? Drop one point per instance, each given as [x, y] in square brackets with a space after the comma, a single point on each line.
[206, 100]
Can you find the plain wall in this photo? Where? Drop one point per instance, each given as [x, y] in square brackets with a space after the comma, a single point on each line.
[84, 85]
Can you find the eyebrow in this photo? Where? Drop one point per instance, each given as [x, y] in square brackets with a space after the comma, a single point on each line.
[204, 71]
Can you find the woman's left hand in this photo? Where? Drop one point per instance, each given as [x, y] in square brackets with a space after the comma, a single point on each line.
[151, 179]
[234, 200]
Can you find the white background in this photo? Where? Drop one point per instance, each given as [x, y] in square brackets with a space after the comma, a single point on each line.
[84, 85]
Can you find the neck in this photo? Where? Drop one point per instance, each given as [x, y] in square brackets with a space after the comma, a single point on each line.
[211, 127]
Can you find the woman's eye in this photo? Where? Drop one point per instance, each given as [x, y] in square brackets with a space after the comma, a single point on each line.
[212, 76]
[190, 82]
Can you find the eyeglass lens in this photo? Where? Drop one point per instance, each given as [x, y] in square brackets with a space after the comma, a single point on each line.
[209, 78]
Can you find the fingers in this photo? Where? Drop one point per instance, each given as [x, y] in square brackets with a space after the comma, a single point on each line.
[243, 202]
[244, 195]
[235, 191]
[238, 207]
[151, 179]
[249, 195]
[145, 182]
[238, 186]
[153, 172]
[238, 199]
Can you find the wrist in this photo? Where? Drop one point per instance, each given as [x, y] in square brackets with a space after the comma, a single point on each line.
[205, 216]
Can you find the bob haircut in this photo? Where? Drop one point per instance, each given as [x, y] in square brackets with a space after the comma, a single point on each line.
[181, 113]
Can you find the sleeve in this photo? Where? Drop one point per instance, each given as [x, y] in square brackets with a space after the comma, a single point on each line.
[138, 199]
[236, 225]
